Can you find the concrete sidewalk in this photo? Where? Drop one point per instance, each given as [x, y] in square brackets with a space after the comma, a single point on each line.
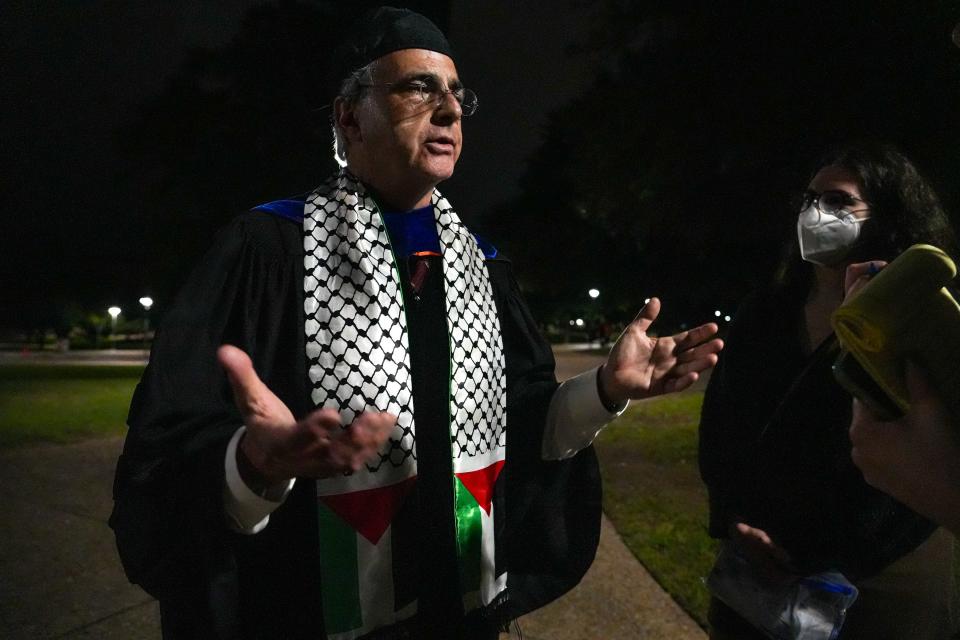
[82, 357]
[59, 572]
[616, 599]
[60, 576]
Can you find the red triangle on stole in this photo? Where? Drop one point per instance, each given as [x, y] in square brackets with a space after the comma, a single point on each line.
[370, 511]
[480, 483]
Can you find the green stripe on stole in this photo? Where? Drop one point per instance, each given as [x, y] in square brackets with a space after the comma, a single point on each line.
[338, 557]
[469, 538]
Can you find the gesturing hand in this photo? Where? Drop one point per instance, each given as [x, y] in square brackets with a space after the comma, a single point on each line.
[640, 366]
[279, 447]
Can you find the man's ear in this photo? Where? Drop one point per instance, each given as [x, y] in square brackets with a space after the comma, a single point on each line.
[344, 113]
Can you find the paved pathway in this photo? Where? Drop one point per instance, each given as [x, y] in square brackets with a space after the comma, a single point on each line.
[59, 572]
[86, 357]
[60, 576]
[616, 599]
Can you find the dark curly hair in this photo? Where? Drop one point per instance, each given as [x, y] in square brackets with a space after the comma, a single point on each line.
[904, 210]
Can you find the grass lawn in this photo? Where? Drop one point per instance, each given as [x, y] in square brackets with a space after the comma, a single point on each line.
[654, 496]
[55, 403]
[652, 488]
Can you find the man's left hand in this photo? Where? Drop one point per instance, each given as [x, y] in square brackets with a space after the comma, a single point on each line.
[641, 366]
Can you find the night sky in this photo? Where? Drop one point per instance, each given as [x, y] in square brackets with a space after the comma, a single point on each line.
[82, 225]
[75, 74]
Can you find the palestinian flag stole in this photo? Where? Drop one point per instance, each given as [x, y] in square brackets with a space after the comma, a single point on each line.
[358, 361]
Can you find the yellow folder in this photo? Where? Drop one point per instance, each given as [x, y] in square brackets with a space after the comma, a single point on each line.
[905, 311]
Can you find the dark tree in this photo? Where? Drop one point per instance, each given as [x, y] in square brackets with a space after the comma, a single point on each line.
[236, 126]
[674, 173]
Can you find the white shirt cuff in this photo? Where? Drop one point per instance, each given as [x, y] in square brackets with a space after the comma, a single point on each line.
[575, 417]
[246, 511]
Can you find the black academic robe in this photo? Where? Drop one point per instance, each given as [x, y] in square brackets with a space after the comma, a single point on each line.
[169, 518]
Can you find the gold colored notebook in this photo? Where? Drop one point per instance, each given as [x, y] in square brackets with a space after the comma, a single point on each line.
[905, 311]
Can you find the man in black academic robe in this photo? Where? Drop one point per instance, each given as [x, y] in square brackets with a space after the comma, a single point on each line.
[232, 448]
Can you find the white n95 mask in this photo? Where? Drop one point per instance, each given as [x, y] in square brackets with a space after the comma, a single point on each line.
[825, 238]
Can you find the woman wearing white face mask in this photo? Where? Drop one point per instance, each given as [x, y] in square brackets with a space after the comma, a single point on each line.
[774, 449]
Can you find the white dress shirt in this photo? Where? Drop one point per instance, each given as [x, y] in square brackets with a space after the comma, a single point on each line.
[574, 419]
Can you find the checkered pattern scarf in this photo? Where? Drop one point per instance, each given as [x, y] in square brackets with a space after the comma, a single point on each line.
[357, 347]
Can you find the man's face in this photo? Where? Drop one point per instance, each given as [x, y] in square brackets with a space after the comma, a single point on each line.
[398, 142]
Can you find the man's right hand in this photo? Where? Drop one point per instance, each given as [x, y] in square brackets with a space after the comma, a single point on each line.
[279, 447]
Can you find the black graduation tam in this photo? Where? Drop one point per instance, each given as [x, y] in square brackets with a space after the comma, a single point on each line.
[385, 30]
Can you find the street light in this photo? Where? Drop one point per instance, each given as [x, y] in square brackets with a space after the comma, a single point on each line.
[146, 302]
[114, 312]
[594, 293]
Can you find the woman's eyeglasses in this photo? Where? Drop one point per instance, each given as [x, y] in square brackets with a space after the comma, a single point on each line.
[831, 202]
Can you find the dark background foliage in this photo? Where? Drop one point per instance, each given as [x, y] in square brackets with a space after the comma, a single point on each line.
[670, 173]
[674, 173]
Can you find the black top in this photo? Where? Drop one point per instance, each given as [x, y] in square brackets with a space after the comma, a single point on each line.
[775, 449]
[168, 514]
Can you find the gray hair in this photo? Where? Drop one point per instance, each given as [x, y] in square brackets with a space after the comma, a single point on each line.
[351, 91]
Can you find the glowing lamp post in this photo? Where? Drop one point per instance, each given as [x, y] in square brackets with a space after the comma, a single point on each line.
[114, 313]
[594, 293]
[146, 302]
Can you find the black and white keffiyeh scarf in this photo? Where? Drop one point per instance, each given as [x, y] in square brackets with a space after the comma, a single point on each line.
[357, 349]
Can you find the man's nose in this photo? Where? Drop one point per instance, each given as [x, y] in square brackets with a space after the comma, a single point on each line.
[448, 109]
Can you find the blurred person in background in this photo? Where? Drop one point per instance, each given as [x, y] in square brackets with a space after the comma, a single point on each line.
[775, 452]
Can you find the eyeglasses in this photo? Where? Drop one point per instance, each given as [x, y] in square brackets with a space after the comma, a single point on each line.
[833, 202]
[427, 91]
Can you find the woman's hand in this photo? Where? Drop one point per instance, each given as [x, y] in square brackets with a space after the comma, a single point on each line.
[770, 559]
[858, 275]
